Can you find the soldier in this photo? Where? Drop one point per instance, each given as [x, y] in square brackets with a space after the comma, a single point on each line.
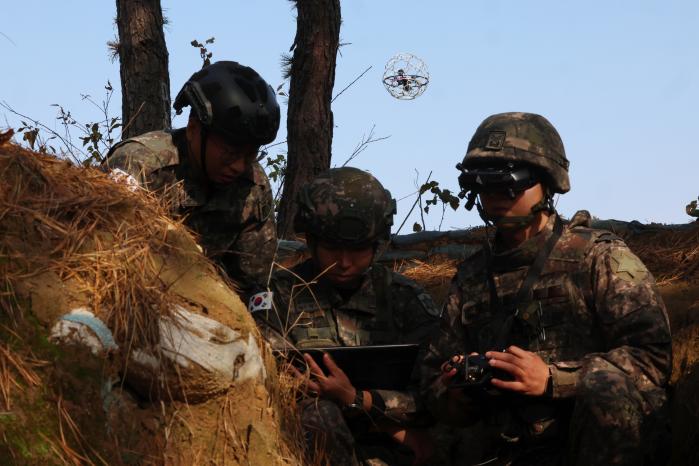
[692, 209]
[209, 171]
[342, 297]
[566, 320]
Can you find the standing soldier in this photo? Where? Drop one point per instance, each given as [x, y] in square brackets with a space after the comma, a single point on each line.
[209, 170]
[342, 297]
[569, 341]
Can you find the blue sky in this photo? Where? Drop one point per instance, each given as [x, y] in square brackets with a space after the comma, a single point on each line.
[620, 81]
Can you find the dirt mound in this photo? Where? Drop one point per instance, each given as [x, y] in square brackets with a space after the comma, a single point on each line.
[119, 341]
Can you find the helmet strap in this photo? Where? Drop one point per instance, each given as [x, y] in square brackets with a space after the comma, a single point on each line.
[520, 221]
[203, 136]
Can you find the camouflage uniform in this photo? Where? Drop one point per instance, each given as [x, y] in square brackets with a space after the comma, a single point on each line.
[349, 209]
[235, 222]
[597, 320]
[388, 308]
[593, 314]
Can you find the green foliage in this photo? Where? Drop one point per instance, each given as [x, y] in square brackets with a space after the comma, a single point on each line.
[439, 195]
[204, 52]
[275, 168]
[443, 197]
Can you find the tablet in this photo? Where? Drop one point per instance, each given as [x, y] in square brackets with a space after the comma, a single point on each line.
[387, 367]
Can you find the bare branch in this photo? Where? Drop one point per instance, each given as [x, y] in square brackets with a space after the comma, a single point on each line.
[413, 207]
[350, 84]
[363, 144]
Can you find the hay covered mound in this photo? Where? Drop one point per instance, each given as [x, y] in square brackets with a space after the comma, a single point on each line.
[72, 239]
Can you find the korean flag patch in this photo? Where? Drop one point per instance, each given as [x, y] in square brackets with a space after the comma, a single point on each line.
[260, 301]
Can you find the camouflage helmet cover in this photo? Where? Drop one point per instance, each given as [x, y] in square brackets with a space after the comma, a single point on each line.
[521, 137]
[345, 206]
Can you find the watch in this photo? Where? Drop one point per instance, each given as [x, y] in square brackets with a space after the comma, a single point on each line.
[357, 404]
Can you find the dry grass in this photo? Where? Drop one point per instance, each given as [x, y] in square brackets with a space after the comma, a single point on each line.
[670, 255]
[96, 234]
[108, 245]
[12, 367]
[429, 274]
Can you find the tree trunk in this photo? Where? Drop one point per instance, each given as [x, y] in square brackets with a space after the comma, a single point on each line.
[309, 119]
[143, 58]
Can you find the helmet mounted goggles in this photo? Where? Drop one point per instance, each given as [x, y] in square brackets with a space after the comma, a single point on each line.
[509, 179]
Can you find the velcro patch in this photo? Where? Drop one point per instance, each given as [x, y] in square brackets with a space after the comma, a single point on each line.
[627, 266]
[496, 139]
[261, 301]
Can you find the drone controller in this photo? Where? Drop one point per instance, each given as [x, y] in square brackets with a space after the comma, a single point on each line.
[475, 372]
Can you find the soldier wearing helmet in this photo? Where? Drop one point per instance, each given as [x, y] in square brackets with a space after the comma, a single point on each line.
[342, 297]
[209, 170]
[567, 338]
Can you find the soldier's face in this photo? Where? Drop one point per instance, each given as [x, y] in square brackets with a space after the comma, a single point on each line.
[502, 205]
[225, 162]
[345, 266]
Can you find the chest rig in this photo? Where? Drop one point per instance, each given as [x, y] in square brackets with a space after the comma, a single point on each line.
[551, 312]
[322, 318]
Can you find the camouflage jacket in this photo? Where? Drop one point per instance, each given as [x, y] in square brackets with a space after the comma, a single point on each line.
[594, 306]
[388, 308]
[235, 222]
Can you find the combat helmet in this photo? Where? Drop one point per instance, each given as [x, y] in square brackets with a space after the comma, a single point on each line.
[346, 206]
[232, 100]
[511, 152]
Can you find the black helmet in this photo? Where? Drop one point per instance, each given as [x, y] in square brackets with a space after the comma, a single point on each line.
[233, 100]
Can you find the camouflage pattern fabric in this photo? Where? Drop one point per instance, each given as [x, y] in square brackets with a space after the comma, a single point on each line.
[521, 138]
[235, 222]
[347, 206]
[387, 309]
[692, 209]
[599, 323]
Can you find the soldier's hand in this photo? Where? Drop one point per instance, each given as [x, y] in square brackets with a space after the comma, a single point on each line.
[529, 371]
[449, 368]
[334, 385]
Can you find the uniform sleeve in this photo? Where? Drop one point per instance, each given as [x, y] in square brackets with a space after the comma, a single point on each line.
[632, 318]
[254, 250]
[449, 340]
[419, 321]
[131, 157]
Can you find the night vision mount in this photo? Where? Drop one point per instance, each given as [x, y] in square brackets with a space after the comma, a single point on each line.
[509, 179]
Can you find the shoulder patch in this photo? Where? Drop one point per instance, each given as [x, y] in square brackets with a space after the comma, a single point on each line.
[628, 266]
[260, 301]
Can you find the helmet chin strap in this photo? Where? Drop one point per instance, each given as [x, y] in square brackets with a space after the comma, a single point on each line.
[203, 136]
[513, 222]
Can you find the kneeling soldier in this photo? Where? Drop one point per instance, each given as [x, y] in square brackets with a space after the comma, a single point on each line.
[555, 337]
[342, 297]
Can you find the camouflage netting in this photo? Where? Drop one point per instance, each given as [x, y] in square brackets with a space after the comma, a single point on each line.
[175, 374]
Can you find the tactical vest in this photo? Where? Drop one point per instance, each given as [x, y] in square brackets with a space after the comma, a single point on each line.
[321, 320]
[560, 322]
